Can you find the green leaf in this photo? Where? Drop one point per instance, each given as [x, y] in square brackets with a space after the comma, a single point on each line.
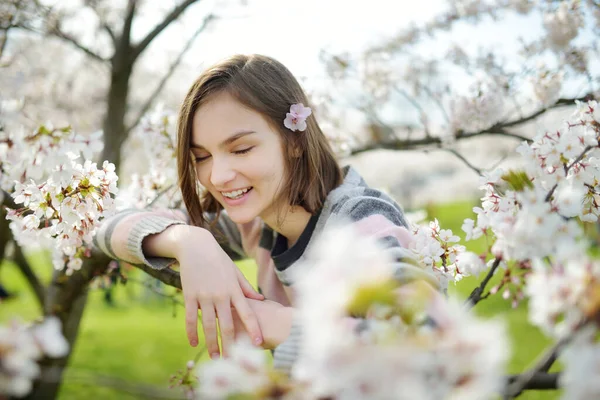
[517, 180]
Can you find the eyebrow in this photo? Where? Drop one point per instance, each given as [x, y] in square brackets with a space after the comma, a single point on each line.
[227, 141]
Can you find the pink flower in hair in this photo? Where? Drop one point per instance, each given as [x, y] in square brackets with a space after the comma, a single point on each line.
[295, 120]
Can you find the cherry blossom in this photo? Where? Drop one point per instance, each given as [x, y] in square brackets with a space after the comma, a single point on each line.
[22, 346]
[295, 120]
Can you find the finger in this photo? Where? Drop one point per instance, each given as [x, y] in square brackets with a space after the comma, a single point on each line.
[191, 321]
[247, 288]
[248, 318]
[225, 326]
[209, 326]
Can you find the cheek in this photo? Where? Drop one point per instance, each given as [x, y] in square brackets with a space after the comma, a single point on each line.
[202, 174]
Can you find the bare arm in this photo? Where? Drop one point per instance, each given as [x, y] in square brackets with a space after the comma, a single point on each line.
[209, 278]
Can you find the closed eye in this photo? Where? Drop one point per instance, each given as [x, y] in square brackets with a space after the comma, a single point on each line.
[200, 159]
[243, 151]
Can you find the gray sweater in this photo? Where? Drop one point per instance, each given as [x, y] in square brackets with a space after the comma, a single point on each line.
[371, 210]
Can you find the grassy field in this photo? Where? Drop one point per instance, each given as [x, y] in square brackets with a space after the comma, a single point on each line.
[141, 337]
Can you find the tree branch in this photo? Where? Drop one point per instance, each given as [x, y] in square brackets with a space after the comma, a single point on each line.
[93, 4]
[7, 200]
[110, 32]
[38, 288]
[497, 129]
[139, 390]
[56, 31]
[124, 41]
[522, 381]
[169, 73]
[172, 297]
[165, 275]
[476, 294]
[539, 381]
[3, 40]
[173, 15]
[464, 160]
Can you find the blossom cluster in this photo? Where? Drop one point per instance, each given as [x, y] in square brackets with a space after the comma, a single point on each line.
[403, 72]
[158, 184]
[57, 197]
[534, 217]
[438, 249]
[406, 339]
[21, 346]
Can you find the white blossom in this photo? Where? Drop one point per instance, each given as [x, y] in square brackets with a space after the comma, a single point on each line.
[580, 376]
[562, 24]
[480, 110]
[559, 292]
[245, 372]
[22, 346]
[547, 86]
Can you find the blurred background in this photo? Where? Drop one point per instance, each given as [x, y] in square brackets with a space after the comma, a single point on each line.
[421, 97]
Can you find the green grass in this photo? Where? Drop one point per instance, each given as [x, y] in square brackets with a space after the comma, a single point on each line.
[142, 337]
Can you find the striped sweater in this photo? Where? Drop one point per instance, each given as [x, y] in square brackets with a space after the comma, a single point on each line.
[371, 211]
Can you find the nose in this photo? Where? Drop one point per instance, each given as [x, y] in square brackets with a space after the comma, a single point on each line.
[221, 173]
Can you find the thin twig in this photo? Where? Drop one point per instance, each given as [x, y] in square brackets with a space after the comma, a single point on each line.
[173, 15]
[438, 102]
[56, 31]
[171, 297]
[476, 295]
[159, 195]
[567, 168]
[464, 160]
[169, 73]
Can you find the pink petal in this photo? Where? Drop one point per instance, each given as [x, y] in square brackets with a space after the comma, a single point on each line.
[301, 125]
[289, 122]
[296, 108]
[305, 112]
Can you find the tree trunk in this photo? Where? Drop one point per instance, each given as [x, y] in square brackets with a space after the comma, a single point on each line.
[66, 298]
[114, 121]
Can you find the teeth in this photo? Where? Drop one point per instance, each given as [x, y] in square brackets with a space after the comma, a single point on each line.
[235, 193]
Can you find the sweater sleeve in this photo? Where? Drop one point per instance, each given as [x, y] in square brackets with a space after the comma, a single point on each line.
[224, 230]
[384, 220]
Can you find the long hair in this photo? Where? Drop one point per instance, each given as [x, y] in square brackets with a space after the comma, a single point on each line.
[269, 88]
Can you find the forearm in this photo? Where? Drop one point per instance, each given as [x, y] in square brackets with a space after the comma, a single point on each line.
[277, 331]
[125, 236]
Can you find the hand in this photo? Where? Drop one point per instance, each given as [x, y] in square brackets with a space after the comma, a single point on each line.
[275, 322]
[212, 282]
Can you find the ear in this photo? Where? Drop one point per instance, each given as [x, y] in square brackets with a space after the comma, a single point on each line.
[296, 152]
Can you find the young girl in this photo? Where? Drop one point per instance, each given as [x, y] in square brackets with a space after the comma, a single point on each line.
[270, 185]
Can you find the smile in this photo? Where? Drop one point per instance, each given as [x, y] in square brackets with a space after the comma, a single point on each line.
[236, 194]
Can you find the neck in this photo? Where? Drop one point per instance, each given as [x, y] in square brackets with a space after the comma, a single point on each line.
[291, 225]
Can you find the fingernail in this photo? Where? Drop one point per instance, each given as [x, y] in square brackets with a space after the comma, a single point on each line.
[214, 356]
[257, 340]
[193, 343]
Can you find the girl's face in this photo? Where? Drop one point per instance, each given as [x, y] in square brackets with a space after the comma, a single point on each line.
[238, 158]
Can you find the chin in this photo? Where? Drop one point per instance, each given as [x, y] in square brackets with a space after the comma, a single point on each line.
[240, 218]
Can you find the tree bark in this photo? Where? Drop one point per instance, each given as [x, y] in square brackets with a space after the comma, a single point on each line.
[66, 298]
[114, 121]
[36, 285]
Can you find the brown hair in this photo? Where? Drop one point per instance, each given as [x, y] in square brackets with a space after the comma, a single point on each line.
[269, 88]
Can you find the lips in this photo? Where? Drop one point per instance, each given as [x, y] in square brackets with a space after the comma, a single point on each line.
[234, 194]
[236, 201]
